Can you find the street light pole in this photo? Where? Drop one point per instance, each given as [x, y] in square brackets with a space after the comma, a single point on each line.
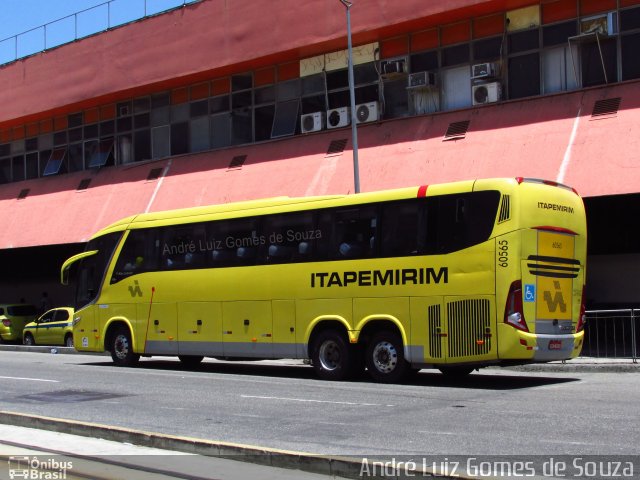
[352, 94]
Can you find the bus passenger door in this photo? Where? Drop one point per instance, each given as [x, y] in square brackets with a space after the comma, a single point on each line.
[247, 329]
[200, 328]
[469, 329]
[86, 333]
[162, 330]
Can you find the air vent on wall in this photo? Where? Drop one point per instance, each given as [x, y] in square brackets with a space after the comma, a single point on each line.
[606, 107]
[457, 130]
[237, 162]
[84, 184]
[336, 147]
[154, 174]
[23, 193]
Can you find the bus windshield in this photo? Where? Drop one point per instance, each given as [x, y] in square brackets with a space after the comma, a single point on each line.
[91, 268]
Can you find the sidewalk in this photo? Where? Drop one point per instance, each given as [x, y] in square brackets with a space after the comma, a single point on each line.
[583, 364]
[38, 453]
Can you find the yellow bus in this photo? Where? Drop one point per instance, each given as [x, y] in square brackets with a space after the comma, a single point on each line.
[453, 276]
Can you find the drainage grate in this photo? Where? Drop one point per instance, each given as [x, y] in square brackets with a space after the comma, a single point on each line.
[237, 161]
[23, 193]
[154, 174]
[69, 396]
[457, 130]
[608, 106]
[337, 146]
[84, 184]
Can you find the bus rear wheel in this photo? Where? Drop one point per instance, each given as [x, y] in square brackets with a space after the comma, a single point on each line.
[332, 358]
[121, 348]
[385, 358]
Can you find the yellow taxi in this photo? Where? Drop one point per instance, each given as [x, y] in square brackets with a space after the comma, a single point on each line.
[54, 327]
[13, 318]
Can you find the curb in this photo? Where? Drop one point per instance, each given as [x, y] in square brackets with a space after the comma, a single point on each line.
[313, 463]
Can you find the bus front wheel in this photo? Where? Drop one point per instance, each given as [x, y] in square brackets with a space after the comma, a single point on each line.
[121, 348]
[385, 358]
[331, 356]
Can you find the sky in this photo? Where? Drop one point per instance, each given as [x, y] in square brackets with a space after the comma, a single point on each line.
[18, 16]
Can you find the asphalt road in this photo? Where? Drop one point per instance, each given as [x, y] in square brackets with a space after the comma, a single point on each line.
[496, 412]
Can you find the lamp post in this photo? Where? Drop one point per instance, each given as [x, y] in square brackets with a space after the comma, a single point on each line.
[352, 94]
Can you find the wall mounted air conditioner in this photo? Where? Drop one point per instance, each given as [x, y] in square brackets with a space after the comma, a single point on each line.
[367, 112]
[421, 80]
[393, 67]
[486, 93]
[338, 117]
[484, 70]
[312, 122]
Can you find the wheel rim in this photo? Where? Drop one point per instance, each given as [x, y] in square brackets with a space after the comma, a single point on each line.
[69, 341]
[330, 355]
[121, 345]
[385, 357]
[28, 340]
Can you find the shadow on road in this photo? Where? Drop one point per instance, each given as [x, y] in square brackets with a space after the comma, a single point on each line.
[427, 378]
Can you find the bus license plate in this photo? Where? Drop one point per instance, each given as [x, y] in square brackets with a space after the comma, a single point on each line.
[555, 344]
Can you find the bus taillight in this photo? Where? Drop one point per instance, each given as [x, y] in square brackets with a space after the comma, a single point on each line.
[582, 319]
[513, 311]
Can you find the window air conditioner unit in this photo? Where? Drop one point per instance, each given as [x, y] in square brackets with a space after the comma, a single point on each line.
[338, 117]
[312, 122]
[484, 70]
[367, 112]
[486, 93]
[393, 67]
[602, 24]
[421, 80]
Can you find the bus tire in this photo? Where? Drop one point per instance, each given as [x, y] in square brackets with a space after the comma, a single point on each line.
[190, 361]
[456, 372]
[68, 340]
[385, 358]
[29, 340]
[331, 356]
[121, 348]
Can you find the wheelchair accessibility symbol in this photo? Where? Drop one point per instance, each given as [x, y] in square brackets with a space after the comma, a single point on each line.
[529, 293]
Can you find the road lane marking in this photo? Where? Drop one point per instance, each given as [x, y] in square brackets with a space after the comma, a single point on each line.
[316, 401]
[32, 379]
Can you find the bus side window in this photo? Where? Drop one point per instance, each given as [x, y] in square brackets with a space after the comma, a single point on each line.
[132, 256]
[463, 220]
[290, 237]
[402, 230]
[182, 247]
[355, 232]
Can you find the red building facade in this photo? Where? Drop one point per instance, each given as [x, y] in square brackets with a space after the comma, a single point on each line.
[221, 101]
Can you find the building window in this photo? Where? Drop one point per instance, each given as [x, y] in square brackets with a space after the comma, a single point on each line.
[55, 164]
[524, 75]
